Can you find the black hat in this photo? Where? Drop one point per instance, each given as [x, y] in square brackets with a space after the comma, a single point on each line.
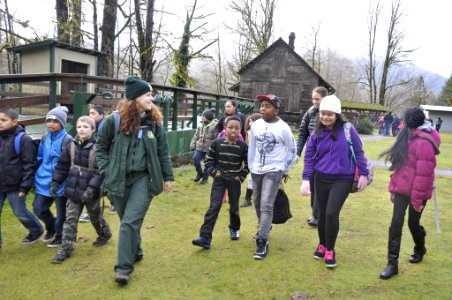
[136, 87]
[208, 114]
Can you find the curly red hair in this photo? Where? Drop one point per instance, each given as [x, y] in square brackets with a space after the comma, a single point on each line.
[130, 116]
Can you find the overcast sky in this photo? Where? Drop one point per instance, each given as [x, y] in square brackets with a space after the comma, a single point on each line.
[427, 25]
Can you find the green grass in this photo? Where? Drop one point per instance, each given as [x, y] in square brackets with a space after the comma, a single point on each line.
[174, 269]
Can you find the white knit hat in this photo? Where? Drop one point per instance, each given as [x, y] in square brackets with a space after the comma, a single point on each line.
[331, 103]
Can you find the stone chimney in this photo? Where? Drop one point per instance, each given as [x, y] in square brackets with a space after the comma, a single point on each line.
[292, 41]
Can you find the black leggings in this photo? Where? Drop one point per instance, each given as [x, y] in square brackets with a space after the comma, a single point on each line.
[331, 195]
[401, 202]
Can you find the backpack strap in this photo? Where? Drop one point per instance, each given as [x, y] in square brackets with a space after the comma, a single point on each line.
[117, 118]
[72, 153]
[348, 136]
[92, 157]
[17, 139]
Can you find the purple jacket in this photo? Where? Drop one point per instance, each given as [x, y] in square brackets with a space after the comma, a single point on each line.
[333, 158]
[415, 177]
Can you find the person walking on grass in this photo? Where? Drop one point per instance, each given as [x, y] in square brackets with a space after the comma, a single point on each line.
[413, 162]
[52, 144]
[230, 109]
[307, 126]
[204, 136]
[328, 154]
[78, 168]
[18, 165]
[249, 189]
[136, 167]
[226, 162]
[271, 154]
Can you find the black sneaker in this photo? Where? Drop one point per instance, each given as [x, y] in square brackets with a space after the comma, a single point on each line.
[122, 278]
[201, 242]
[234, 234]
[204, 181]
[198, 177]
[31, 239]
[330, 259]
[261, 249]
[49, 236]
[138, 257]
[84, 218]
[313, 222]
[60, 257]
[57, 241]
[102, 240]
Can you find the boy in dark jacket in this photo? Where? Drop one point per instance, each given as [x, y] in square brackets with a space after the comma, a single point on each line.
[227, 163]
[18, 164]
[79, 169]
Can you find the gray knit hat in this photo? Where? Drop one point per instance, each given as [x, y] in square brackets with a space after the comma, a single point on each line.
[136, 87]
[59, 113]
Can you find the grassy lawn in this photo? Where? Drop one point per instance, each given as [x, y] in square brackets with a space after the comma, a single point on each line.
[174, 269]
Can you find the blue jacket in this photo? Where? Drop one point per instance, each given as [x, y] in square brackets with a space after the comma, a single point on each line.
[332, 157]
[48, 154]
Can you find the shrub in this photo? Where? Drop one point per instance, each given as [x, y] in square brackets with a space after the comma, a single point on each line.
[364, 126]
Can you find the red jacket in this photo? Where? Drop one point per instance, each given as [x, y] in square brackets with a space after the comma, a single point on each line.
[415, 177]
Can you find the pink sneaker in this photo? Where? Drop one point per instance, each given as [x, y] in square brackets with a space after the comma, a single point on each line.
[320, 252]
[330, 259]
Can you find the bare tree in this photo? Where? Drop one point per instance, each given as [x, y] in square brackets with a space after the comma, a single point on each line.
[62, 14]
[313, 53]
[370, 69]
[76, 22]
[95, 25]
[108, 38]
[145, 41]
[395, 52]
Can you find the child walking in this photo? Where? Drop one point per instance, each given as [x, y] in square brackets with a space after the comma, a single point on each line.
[77, 166]
[413, 161]
[18, 164]
[201, 141]
[227, 164]
[52, 144]
[249, 189]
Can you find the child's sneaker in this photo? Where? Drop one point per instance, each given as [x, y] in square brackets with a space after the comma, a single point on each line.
[49, 236]
[31, 239]
[330, 259]
[122, 278]
[60, 257]
[55, 243]
[84, 218]
[112, 209]
[201, 242]
[261, 249]
[234, 234]
[320, 252]
[102, 240]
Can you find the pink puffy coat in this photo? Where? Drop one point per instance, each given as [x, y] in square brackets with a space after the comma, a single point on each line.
[415, 177]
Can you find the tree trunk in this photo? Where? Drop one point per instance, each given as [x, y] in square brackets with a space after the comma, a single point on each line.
[76, 23]
[62, 21]
[95, 26]
[108, 38]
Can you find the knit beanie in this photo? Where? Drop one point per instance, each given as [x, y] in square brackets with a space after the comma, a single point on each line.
[331, 103]
[59, 113]
[414, 117]
[136, 87]
[208, 114]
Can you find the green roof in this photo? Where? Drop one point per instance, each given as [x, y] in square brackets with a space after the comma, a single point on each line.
[53, 43]
[363, 106]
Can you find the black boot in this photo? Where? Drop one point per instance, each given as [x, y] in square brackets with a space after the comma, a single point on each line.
[247, 201]
[419, 246]
[198, 177]
[395, 235]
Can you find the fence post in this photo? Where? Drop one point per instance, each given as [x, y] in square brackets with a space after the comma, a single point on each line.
[195, 111]
[174, 118]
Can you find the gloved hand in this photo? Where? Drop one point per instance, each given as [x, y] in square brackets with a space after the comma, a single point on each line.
[88, 195]
[305, 189]
[54, 189]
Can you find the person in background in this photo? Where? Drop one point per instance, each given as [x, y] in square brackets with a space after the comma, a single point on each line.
[204, 136]
[17, 173]
[78, 168]
[230, 109]
[271, 154]
[136, 167]
[388, 118]
[227, 164]
[249, 190]
[438, 124]
[413, 162]
[307, 126]
[328, 154]
[395, 125]
[52, 146]
[381, 124]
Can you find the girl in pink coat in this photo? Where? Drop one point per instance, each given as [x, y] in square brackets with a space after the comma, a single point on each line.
[413, 161]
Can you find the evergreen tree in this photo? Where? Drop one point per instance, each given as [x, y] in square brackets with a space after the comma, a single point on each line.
[446, 94]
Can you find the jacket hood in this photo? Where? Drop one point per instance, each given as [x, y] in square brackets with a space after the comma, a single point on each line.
[431, 136]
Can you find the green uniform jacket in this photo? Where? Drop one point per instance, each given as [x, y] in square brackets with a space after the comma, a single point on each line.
[113, 166]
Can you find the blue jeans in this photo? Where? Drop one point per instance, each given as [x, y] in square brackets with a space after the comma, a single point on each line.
[197, 158]
[19, 208]
[41, 208]
[265, 187]
[387, 129]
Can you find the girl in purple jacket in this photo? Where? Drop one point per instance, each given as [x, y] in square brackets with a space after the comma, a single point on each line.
[328, 154]
[413, 160]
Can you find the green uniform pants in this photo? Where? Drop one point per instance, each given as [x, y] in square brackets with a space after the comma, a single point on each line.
[131, 210]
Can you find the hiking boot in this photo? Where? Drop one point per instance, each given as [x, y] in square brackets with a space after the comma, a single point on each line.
[320, 252]
[102, 239]
[419, 247]
[84, 218]
[391, 270]
[204, 181]
[31, 239]
[57, 242]
[261, 249]
[198, 177]
[49, 236]
[201, 242]
[330, 259]
[138, 257]
[112, 209]
[234, 234]
[313, 222]
[122, 278]
[60, 257]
